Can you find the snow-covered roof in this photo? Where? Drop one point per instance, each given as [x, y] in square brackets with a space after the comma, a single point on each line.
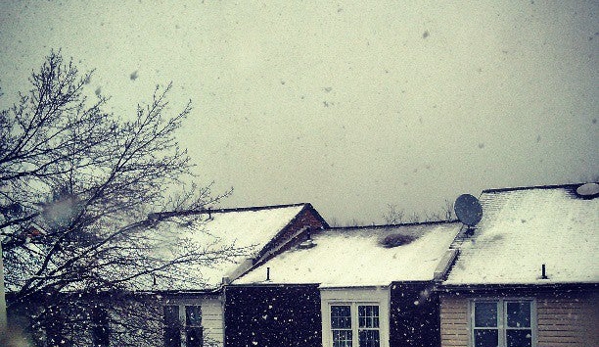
[524, 228]
[358, 256]
[219, 242]
[246, 229]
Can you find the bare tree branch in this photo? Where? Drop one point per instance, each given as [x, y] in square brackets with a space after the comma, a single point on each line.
[99, 186]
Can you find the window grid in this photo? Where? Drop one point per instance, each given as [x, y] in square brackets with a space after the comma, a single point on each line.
[368, 326]
[503, 323]
[341, 326]
[355, 319]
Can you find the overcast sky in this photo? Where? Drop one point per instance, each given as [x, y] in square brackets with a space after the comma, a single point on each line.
[349, 105]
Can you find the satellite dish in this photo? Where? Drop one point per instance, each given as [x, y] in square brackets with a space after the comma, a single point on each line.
[468, 209]
[588, 190]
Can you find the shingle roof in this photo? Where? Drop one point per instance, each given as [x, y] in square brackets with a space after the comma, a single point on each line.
[524, 228]
[349, 257]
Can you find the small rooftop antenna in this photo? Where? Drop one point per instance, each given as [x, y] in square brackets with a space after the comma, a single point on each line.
[468, 210]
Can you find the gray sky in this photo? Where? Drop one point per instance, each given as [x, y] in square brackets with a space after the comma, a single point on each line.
[349, 105]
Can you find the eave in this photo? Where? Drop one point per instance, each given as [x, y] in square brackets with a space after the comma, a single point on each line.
[520, 287]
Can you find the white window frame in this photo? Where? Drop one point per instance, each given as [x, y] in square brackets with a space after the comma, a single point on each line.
[501, 318]
[354, 297]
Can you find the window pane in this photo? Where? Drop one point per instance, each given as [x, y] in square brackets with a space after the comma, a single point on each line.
[194, 336]
[485, 338]
[171, 315]
[369, 338]
[342, 338]
[340, 317]
[518, 314]
[485, 314]
[172, 337]
[193, 316]
[368, 316]
[519, 338]
[362, 315]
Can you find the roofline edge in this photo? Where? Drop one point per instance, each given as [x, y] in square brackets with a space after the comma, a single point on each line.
[548, 186]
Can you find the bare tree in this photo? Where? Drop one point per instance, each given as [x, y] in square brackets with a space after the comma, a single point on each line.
[82, 192]
[395, 216]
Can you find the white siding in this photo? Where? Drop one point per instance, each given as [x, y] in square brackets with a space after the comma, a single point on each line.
[212, 320]
[212, 316]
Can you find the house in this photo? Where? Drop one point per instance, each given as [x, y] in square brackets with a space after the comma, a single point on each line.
[527, 274]
[351, 287]
[262, 230]
[185, 311]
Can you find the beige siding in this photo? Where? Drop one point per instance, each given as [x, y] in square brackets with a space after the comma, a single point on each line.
[568, 321]
[454, 321]
[563, 320]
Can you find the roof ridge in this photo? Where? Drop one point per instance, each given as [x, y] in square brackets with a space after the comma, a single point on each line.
[382, 226]
[253, 208]
[548, 186]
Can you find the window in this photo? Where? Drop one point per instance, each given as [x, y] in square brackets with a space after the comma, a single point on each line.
[193, 326]
[172, 327]
[355, 317]
[54, 323]
[368, 326]
[503, 323]
[355, 325]
[175, 318]
[341, 326]
[100, 330]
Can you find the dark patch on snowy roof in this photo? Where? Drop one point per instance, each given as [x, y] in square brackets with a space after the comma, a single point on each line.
[396, 240]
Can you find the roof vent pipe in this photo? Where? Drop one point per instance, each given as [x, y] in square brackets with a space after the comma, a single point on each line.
[543, 273]
[268, 273]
